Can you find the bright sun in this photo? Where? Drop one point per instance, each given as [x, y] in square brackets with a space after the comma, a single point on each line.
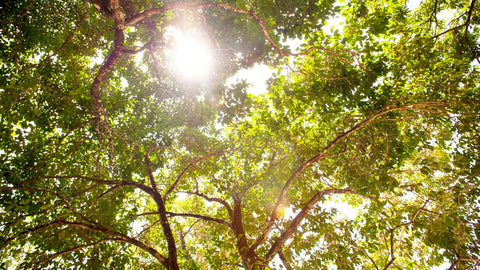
[190, 55]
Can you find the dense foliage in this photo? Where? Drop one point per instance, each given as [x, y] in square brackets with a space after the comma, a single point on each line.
[363, 154]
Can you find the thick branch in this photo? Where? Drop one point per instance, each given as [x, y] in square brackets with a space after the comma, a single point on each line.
[237, 228]
[112, 59]
[119, 39]
[469, 17]
[290, 230]
[162, 212]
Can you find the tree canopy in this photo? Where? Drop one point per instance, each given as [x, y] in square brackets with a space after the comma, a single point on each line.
[364, 152]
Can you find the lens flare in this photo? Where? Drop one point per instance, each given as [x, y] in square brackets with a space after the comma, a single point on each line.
[191, 57]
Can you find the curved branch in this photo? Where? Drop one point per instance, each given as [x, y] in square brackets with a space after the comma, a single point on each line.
[172, 258]
[123, 237]
[210, 199]
[112, 59]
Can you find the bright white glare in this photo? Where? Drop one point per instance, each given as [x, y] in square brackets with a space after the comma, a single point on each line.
[190, 55]
[334, 24]
[345, 210]
[255, 76]
[294, 44]
[413, 4]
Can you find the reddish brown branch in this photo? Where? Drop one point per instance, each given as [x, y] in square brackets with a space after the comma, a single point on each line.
[96, 228]
[292, 228]
[237, 227]
[112, 59]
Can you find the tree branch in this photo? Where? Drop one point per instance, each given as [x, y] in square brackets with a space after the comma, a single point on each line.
[162, 212]
[77, 26]
[189, 166]
[53, 256]
[292, 228]
[392, 231]
[284, 261]
[202, 217]
[96, 228]
[112, 59]
[141, 186]
[211, 199]
[149, 167]
[469, 17]
[323, 154]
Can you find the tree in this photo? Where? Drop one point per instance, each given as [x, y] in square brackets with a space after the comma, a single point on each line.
[110, 160]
